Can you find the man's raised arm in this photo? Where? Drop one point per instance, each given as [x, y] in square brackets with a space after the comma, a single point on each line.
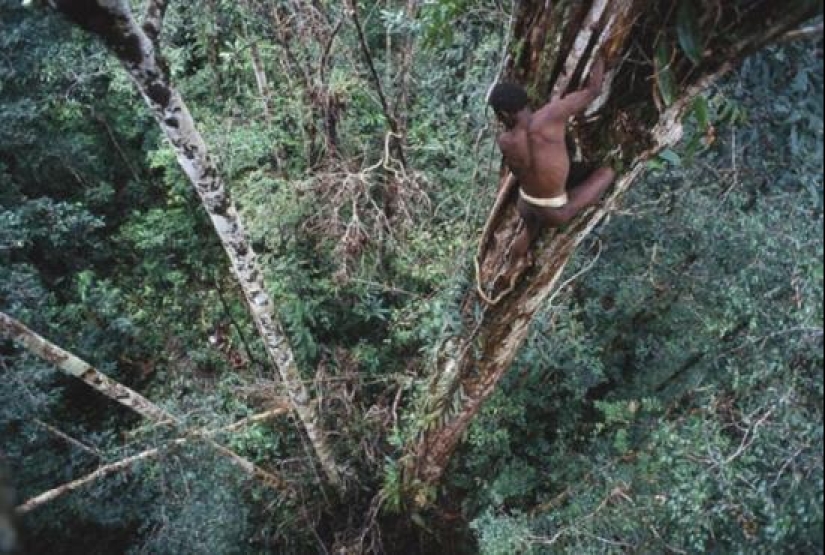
[559, 110]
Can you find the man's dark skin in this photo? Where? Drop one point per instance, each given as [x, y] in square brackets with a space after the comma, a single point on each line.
[535, 150]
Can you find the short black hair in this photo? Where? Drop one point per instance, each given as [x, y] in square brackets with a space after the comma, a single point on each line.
[508, 98]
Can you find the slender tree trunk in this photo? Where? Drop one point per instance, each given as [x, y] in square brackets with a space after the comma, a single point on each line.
[113, 22]
[261, 80]
[660, 54]
[404, 78]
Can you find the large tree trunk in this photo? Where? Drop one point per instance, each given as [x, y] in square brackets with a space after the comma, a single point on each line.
[137, 49]
[660, 55]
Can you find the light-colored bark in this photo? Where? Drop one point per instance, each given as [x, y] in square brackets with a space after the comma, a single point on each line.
[113, 22]
[69, 364]
[123, 464]
[471, 364]
[260, 79]
[73, 366]
[102, 472]
[67, 438]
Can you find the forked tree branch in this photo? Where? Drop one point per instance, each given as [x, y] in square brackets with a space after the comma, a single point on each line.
[112, 468]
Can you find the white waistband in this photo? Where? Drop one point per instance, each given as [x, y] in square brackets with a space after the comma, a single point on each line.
[555, 202]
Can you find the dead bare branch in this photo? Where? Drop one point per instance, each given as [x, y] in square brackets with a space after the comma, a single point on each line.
[73, 366]
[67, 438]
[103, 471]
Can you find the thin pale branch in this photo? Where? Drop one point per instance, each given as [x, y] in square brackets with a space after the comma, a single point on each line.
[123, 464]
[112, 468]
[103, 471]
[234, 427]
[73, 366]
[254, 419]
[809, 32]
[67, 438]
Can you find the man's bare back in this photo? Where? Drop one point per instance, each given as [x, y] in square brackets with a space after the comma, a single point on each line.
[540, 165]
[535, 150]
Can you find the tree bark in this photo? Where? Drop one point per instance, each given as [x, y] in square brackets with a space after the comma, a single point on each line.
[112, 468]
[71, 365]
[112, 21]
[660, 55]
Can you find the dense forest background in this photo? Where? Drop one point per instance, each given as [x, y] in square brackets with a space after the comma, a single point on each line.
[669, 397]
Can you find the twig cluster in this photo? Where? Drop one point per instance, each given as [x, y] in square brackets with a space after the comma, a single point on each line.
[365, 207]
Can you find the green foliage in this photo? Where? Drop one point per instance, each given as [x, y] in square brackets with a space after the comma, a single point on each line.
[439, 19]
[393, 488]
[689, 32]
[665, 78]
[502, 534]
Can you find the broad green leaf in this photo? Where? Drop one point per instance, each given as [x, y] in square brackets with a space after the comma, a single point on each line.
[670, 157]
[702, 112]
[655, 164]
[664, 74]
[689, 31]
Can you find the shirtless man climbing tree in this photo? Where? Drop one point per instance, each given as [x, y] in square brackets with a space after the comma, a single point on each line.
[535, 150]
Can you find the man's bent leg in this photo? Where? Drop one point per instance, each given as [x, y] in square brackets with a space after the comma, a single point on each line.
[589, 192]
